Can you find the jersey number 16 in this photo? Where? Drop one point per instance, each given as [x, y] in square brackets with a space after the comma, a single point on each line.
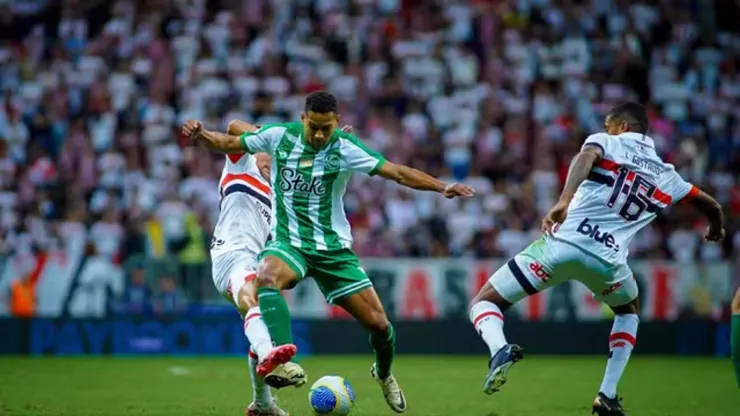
[638, 198]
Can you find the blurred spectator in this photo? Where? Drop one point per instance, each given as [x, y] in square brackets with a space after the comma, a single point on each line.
[683, 242]
[137, 298]
[23, 297]
[98, 284]
[194, 257]
[169, 299]
[107, 234]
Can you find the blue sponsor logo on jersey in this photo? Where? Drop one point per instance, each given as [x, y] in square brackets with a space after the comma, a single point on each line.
[592, 231]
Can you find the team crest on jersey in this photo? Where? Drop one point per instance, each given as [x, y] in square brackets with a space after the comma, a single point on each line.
[332, 162]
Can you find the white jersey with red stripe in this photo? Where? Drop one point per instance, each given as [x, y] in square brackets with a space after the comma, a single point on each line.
[245, 214]
[621, 196]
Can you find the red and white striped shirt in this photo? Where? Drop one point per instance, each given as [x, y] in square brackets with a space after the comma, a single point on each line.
[246, 207]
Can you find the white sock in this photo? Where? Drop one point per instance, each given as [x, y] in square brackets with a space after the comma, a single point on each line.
[256, 332]
[621, 341]
[260, 391]
[489, 322]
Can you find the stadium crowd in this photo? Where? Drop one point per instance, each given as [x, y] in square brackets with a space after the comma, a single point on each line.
[498, 94]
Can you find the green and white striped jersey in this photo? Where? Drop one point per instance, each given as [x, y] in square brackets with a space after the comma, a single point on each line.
[308, 184]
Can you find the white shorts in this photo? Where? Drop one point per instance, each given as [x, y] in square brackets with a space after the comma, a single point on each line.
[231, 271]
[549, 261]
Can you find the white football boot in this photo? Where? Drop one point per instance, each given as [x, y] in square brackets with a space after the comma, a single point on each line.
[391, 391]
[286, 375]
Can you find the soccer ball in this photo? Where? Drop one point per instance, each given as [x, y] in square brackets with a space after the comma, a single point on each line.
[332, 396]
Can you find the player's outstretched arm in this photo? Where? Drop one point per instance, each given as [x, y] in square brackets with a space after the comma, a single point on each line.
[713, 211]
[416, 179]
[238, 127]
[213, 140]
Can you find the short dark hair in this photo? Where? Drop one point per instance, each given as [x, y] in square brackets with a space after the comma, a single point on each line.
[633, 113]
[320, 102]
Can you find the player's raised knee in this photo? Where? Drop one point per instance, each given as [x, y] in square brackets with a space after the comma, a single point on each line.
[487, 293]
[632, 308]
[379, 323]
[267, 276]
[248, 295]
[267, 279]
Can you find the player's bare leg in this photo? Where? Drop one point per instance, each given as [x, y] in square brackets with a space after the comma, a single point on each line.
[621, 342]
[735, 335]
[487, 316]
[263, 404]
[366, 308]
[273, 276]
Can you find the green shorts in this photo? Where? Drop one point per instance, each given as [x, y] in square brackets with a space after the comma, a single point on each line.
[337, 273]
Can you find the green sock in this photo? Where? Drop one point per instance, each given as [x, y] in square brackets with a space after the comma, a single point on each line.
[276, 315]
[735, 346]
[384, 344]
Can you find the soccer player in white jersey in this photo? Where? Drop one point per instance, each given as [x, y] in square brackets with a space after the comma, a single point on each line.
[616, 185]
[312, 162]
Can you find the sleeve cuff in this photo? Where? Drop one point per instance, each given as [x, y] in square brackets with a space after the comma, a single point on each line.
[243, 139]
[693, 192]
[603, 152]
[377, 167]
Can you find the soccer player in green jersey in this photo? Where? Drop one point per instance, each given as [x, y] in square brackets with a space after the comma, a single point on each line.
[312, 162]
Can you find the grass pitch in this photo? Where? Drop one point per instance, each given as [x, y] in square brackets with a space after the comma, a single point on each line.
[441, 385]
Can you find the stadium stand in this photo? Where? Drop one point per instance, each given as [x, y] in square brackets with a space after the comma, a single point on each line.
[498, 94]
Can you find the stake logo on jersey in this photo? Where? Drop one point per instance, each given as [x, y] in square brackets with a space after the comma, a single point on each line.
[309, 183]
[622, 195]
[292, 181]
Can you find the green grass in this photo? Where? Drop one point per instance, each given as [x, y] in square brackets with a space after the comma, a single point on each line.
[541, 386]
